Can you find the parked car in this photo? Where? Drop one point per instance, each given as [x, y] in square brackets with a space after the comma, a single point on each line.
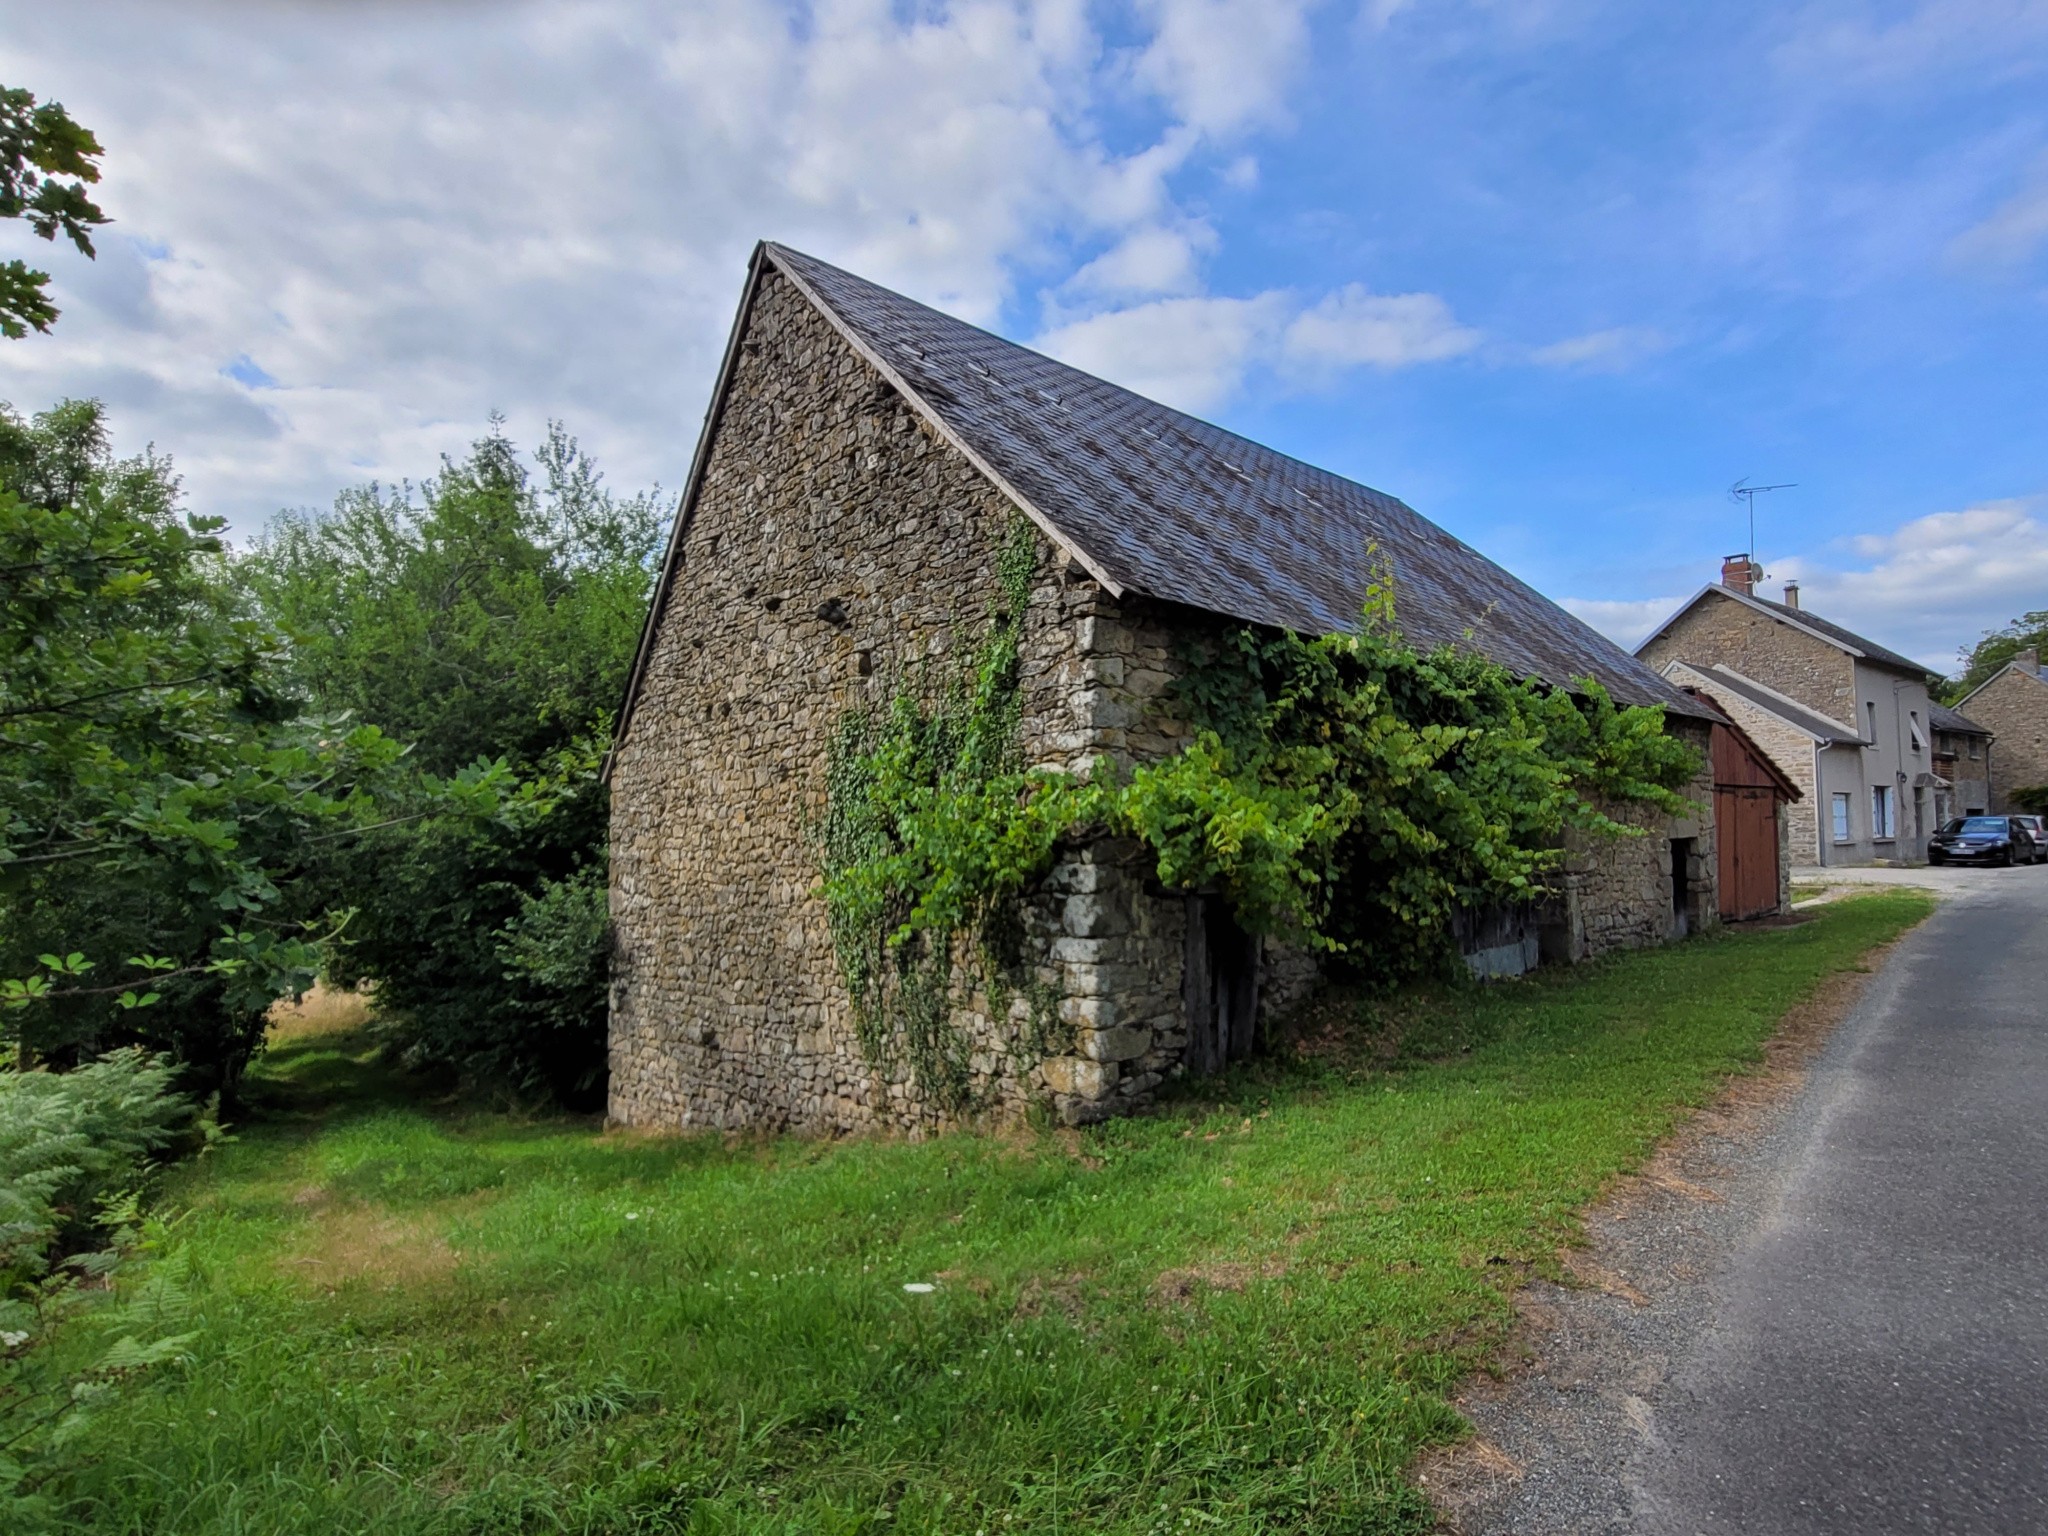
[2038, 826]
[1984, 840]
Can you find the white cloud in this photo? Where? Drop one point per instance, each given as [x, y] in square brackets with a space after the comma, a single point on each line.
[1933, 39]
[1195, 353]
[1148, 261]
[547, 209]
[1918, 587]
[1913, 589]
[1626, 623]
[1223, 66]
[1354, 326]
[1609, 351]
[2014, 230]
[1191, 353]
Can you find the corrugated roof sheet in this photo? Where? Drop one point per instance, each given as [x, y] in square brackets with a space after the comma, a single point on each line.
[1942, 718]
[1164, 504]
[1870, 648]
[1830, 733]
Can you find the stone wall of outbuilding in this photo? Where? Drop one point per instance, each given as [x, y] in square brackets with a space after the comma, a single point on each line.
[1617, 892]
[839, 549]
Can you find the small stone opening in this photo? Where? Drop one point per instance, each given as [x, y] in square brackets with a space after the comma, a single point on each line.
[1681, 886]
[1220, 986]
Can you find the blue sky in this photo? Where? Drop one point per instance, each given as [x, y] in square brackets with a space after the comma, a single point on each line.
[1555, 271]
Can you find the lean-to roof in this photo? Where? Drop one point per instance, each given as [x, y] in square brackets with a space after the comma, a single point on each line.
[1725, 680]
[1942, 718]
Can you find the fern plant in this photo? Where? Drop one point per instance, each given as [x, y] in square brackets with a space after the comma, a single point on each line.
[78, 1315]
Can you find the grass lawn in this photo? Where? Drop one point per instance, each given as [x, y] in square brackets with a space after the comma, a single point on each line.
[1240, 1314]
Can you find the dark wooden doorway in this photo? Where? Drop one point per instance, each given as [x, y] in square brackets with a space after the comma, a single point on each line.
[1219, 986]
[1746, 825]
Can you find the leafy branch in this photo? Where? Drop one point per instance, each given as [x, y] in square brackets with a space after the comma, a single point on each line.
[46, 162]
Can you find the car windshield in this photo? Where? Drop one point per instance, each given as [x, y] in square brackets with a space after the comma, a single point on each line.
[1978, 826]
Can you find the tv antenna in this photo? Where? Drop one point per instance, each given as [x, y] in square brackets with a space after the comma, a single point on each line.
[1746, 493]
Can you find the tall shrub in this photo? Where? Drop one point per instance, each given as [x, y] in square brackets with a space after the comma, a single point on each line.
[489, 613]
[161, 786]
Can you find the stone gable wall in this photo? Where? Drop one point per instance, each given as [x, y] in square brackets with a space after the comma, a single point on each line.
[2013, 706]
[839, 549]
[1720, 630]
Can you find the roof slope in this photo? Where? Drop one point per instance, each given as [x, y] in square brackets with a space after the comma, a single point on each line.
[2015, 665]
[1157, 502]
[1942, 718]
[1872, 651]
[1829, 733]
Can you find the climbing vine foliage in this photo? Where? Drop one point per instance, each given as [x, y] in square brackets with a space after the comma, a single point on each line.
[1348, 793]
[932, 831]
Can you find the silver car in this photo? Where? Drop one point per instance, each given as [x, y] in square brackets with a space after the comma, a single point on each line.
[2038, 825]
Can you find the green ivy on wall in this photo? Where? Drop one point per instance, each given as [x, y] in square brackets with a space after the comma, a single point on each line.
[1345, 792]
[933, 830]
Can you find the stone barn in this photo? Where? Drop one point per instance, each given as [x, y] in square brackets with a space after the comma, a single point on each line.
[863, 461]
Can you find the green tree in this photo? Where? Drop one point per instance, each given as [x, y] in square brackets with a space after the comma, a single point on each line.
[161, 787]
[40, 146]
[1983, 660]
[491, 612]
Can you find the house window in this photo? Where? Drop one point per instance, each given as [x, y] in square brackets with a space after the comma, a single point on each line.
[1913, 726]
[1881, 827]
[1842, 817]
[1870, 714]
[1973, 745]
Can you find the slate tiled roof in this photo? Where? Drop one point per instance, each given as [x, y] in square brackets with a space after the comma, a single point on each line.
[1942, 718]
[1882, 655]
[1154, 501]
[1829, 733]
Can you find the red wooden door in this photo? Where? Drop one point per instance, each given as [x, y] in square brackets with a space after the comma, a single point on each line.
[1746, 827]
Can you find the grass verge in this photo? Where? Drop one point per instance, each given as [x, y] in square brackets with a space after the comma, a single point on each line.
[1239, 1314]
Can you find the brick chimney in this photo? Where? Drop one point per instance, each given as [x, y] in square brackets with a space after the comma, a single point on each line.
[1741, 573]
[1791, 594]
[2030, 660]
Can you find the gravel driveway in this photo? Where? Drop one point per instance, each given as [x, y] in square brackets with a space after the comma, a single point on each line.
[1824, 1309]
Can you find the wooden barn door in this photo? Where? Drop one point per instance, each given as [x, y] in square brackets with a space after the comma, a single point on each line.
[1219, 986]
[1746, 826]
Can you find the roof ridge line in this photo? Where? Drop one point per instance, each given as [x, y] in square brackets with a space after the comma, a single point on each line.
[2011, 666]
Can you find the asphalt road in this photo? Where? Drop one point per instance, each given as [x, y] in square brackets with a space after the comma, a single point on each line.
[1875, 1357]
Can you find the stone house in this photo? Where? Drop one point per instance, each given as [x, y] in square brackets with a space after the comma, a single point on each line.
[2013, 703]
[1846, 719]
[1962, 762]
[863, 460]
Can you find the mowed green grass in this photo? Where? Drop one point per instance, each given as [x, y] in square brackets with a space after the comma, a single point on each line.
[1241, 1314]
